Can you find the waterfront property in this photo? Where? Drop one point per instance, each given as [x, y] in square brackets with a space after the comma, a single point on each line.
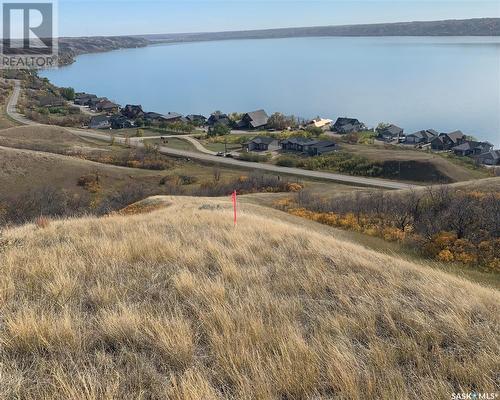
[446, 141]
[83, 99]
[196, 119]
[133, 111]
[253, 120]
[491, 157]
[119, 121]
[421, 137]
[308, 146]
[472, 148]
[218, 118]
[261, 143]
[107, 106]
[390, 133]
[345, 125]
[100, 122]
[321, 123]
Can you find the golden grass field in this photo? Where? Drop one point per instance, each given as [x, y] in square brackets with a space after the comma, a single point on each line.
[179, 304]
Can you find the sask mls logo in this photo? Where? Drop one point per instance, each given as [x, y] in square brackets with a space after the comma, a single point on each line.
[29, 34]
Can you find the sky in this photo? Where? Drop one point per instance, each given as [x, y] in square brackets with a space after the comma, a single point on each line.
[127, 17]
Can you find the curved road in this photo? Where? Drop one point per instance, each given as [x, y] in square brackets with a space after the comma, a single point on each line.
[210, 158]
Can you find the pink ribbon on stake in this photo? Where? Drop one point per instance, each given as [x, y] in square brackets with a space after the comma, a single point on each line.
[234, 198]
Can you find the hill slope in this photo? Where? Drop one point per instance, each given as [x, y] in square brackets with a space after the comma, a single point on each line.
[180, 304]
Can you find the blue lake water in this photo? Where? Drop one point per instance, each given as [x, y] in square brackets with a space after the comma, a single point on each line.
[416, 83]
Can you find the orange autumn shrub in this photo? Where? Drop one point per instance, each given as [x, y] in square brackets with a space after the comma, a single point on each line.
[445, 256]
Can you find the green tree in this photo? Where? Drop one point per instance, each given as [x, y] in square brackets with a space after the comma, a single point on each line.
[281, 122]
[68, 93]
[218, 130]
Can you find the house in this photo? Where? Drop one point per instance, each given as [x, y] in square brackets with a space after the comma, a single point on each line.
[390, 133]
[309, 146]
[107, 106]
[82, 99]
[100, 122]
[133, 111]
[321, 123]
[119, 121]
[345, 125]
[472, 148]
[298, 144]
[421, 137]
[446, 141]
[253, 120]
[491, 157]
[51, 101]
[154, 117]
[94, 101]
[261, 143]
[218, 118]
[196, 119]
[322, 147]
[172, 117]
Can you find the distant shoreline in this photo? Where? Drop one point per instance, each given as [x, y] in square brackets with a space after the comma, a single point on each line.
[71, 47]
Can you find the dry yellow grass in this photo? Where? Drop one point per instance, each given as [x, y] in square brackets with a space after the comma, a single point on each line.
[179, 304]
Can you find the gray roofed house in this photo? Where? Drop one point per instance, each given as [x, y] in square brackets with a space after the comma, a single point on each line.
[471, 148]
[446, 141]
[322, 147]
[218, 118]
[260, 143]
[390, 132]
[421, 137]
[107, 106]
[82, 99]
[491, 157]
[133, 111]
[196, 119]
[348, 125]
[172, 117]
[100, 122]
[254, 120]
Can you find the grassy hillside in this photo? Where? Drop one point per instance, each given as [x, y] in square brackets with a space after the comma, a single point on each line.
[23, 170]
[179, 304]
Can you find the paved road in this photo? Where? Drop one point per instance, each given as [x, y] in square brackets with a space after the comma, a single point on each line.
[210, 158]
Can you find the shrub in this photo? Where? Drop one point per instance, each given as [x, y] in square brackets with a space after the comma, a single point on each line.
[42, 222]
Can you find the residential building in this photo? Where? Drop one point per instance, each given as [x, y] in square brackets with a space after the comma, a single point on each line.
[321, 123]
[472, 148]
[253, 120]
[219, 118]
[261, 143]
[107, 106]
[119, 121]
[421, 137]
[196, 119]
[322, 147]
[100, 122]
[345, 125]
[82, 99]
[491, 157]
[133, 111]
[390, 133]
[446, 141]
